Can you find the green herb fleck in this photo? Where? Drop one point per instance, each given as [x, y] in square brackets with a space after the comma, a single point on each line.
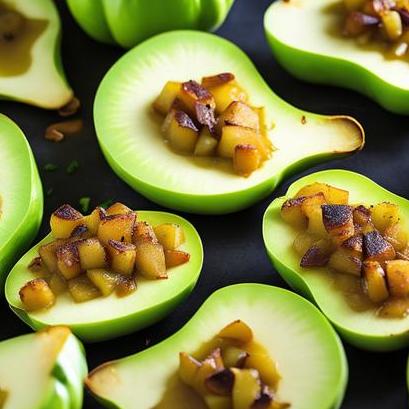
[107, 203]
[50, 167]
[49, 191]
[72, 167]
[84, 204]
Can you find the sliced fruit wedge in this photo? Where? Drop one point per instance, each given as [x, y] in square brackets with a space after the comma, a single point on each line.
[132, 143]
[307, 351]
[109, 317]
[364, 329]
[21, 197]
[31, 69]
[42, 371]
[313, 52]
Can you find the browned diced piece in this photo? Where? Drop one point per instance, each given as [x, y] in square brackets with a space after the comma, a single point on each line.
[118, 208]
[338, 222]
[175, 258]
[312, 209]
[91, 253]
[357, 23]
[375, 281]
[122, 257]
[48, 255]
[170, 235]
[384, 215]
[104, 280]
[395, 308]
[92, 221]
[38, 267]
[144, 232]
[68, 261]
[82, 289]
[206, 144]
[117, 227]
[36, 295]
[57, 283]
[126, 285]
[192, 92]
[332, 194]
[246, 159]
[217, 80]
[80, 232]
[220, 383]
[304, 241]
[397, 236]
[237, 331]
[204, 114]
[362, 219]
[180, 131]
[353, 245]
[164, 101]
[397, 273]
[234, 356]
[238, 114]
[291, 213]
[317, 255]
[150, 260]
[64, 220]
[343, 262]
[376, 248]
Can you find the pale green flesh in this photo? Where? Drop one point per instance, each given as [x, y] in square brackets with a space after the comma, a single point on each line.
[312, 52]
[309, 355]
[133, 145]
[43, 84]
[110, 316]
[27, 373]
[20, 193]
[364, 329]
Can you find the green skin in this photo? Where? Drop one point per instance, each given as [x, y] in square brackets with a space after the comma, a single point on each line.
[330, 68]
[23, 203]
[44, 84]
[129, 138]
[158, 302]
[65, 386]
[363, 329]
[242, 301]
[127, 23]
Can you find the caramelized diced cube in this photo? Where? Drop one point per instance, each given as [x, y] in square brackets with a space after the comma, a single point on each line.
[338, 222]
[353, 246]
[164, 101]
[374, 281]
[170, 235]
[204, 114]
[238, 114]
[104, 280]
[117, 227]
[188, 368]
[362, 219]
[317, 255]
[246, 159]
[376, 248]
[181, 131]
[122, 257]
[220, 383]
[126, 285]
[91, 253]
[82, 289]
[396, 235]
[80, 232]
[343, 262]
[150, 260]
[68, 261]
[217, 80]
[64, 220]
[237, 331]
[312, 209]
[291, 213]
[143, 232]
[36, 295]
[304, 241]
[385, 214]
[397, 273]
[395, 308]
[175, 258]
[333, 195]
[48, 255]
[206, 144]
[57, 284]
[191, 93]
[118, 208]
[92, 221]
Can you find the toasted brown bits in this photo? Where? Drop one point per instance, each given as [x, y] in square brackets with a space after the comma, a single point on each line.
[184, 120]
[217, 80]
[336, 215]
[67, 212]
[314, 257]
[376, 247]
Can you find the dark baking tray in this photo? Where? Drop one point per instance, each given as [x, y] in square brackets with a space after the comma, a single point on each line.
[234, 250]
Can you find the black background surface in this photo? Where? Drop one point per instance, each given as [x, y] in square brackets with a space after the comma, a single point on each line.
[234, 250]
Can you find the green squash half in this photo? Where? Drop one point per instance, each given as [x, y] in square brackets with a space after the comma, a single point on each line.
[110, 317]
[21, 196]
[35, 76]
[311, 52]
[127, 23]
[363, 329]
[309, 355]
[134, 147]
[43, 370]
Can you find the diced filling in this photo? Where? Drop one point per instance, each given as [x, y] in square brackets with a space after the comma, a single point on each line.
[379, 21]
[233, 371]
[103, 253]
[214, 119]
[367, 243]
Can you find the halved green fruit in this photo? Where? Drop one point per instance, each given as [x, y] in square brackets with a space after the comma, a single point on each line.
[312, 52]
[21, 197]
[42, 371]
[134, 147]
[308, 353]
[109, 317]
[127, 23]
[30, 68]
[364, 329]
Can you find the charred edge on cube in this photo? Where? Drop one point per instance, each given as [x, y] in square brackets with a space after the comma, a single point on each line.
[245, 147]
[194, 88]
[205, 115]
[184, 120]
[374, 244]
[221, 383]
[293, 202]
[336, 215]
[125, 285]
[217, 80]
[79, 230]
[361, 215]
[69, 252]
[314, 257]
[36, 264]
[264, 399]
[120, 246]
[67, 212]
[353, 243]
[35, 284]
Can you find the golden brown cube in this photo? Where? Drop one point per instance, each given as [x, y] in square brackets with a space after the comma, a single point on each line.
[126, 285]
[238, 114]
[122, 257]
[57, 283]
[375, 281]
[397, 273]
[170, 235]
[384, 215]
[117, 227]
[304, 241]
[68, 261]
[64, 220]
[150, 260]
[291, 213]
[164, 101]
[332, 194]
[237, 331]
[214, 81]
[317, 255]
[91, 253]
[376, 248]
[118, 208]
[344, 263]
[36, 295]
[312, 209]
[143, 232]
[338, 222]
[175, 258]
[82, 289]
[396, 235]
[104, 280]
[353, 246]
[225, 94]
[48, 255]
[92, 221]
[246, 159]
[206, 144]
[192, 92]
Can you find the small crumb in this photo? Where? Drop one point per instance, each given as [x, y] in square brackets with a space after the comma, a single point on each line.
[71, 108]
[57, 131]
[50, 167]
[303, 120]
[84, 203]
[72, 167]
